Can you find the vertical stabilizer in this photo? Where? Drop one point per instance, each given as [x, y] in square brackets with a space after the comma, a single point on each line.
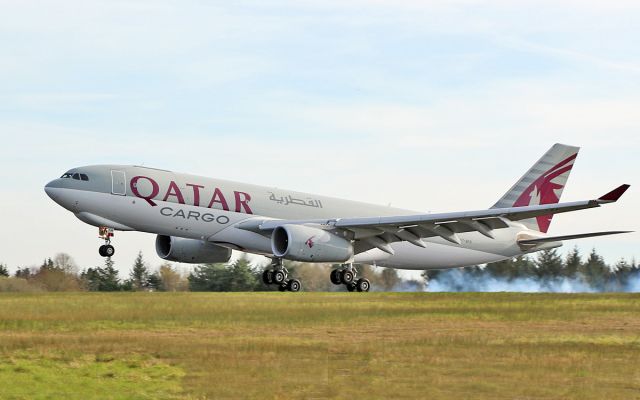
[542, 184]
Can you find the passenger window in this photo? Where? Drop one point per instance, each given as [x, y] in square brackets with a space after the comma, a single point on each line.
[76, 176]
[84, 177]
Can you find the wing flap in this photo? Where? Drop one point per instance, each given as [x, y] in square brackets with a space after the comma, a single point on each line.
[548, 239]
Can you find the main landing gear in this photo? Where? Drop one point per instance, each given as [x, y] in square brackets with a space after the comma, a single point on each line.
[106, 250]
[347, 276]
[277, 274]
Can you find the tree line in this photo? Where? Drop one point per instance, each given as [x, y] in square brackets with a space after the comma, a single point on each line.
[548, 269]
[60, 273]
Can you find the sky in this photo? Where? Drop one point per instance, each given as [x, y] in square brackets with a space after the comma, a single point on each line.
[427, 105]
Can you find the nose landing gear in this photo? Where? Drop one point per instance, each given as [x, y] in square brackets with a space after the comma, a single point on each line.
[347, 276]
[277, 274]
[106, 250]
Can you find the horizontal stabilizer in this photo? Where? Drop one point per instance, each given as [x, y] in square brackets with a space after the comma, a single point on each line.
[567, 237]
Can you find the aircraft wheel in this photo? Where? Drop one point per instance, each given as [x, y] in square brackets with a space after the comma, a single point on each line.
[101, 251]
[279, 277]
[363, 285]
[267, 277]
[282, 287]
[335, 277]
[351, 287]
[109, 251]
[294, 285]
[347, 277]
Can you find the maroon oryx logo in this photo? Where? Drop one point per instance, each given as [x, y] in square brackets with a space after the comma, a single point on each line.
[543, 190]
[309, 242]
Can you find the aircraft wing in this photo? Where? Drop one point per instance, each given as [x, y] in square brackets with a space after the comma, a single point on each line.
[370, 232]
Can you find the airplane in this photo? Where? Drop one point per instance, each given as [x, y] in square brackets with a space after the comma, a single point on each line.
[201, 220]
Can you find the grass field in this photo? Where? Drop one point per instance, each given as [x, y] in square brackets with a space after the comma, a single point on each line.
[319, 345]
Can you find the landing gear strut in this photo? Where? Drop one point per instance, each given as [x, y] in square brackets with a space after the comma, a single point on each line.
[277, 274]
[347, 276]
[106, 250]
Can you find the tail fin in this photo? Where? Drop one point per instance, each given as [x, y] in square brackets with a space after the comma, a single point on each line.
[542, 184]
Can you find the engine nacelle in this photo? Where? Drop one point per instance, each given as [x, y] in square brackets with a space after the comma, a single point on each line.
[190, 250]
[306, 243]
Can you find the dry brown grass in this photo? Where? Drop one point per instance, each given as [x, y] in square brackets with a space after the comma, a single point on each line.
[320, 345]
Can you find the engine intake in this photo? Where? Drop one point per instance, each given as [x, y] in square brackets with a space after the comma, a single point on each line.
[191, 251]
[306, 243]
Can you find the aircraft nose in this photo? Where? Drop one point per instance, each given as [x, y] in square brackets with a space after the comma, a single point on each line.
[49, 189]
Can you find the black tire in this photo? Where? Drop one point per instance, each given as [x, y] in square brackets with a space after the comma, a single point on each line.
[335, 277]
[279, 277]
[294, 285]
[267, 277]
[109, 250]
[282, 287]
[351, 287]
[347, 277]
[363, 285]
[101, 251]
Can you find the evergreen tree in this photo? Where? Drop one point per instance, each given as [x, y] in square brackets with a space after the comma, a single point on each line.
[154, 282]
[525, 267]
[3, 270]
[48, 264]
[139, 274]
[622, 274]
[209, 278]
[103, 279]
[549, 264]
[23, 273]
[504, 269]
[242, 276]
[110, 282]
[511, 269]
[91, 279]
[572, 263]
[594, 272]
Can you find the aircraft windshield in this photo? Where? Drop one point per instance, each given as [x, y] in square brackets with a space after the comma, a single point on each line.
[76, 176]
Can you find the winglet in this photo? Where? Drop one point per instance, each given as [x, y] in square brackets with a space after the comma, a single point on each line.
[614, 195]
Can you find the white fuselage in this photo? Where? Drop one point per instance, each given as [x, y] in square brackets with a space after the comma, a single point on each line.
[187, 206]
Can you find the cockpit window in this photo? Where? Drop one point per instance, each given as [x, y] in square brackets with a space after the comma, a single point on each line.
[77, 176]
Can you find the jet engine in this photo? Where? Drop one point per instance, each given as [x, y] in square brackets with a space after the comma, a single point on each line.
[190, 250]
[306, 243]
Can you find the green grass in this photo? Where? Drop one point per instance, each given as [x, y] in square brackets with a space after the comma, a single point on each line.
[319, 345]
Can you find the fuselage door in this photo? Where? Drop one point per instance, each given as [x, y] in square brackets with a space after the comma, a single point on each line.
[118, 183]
